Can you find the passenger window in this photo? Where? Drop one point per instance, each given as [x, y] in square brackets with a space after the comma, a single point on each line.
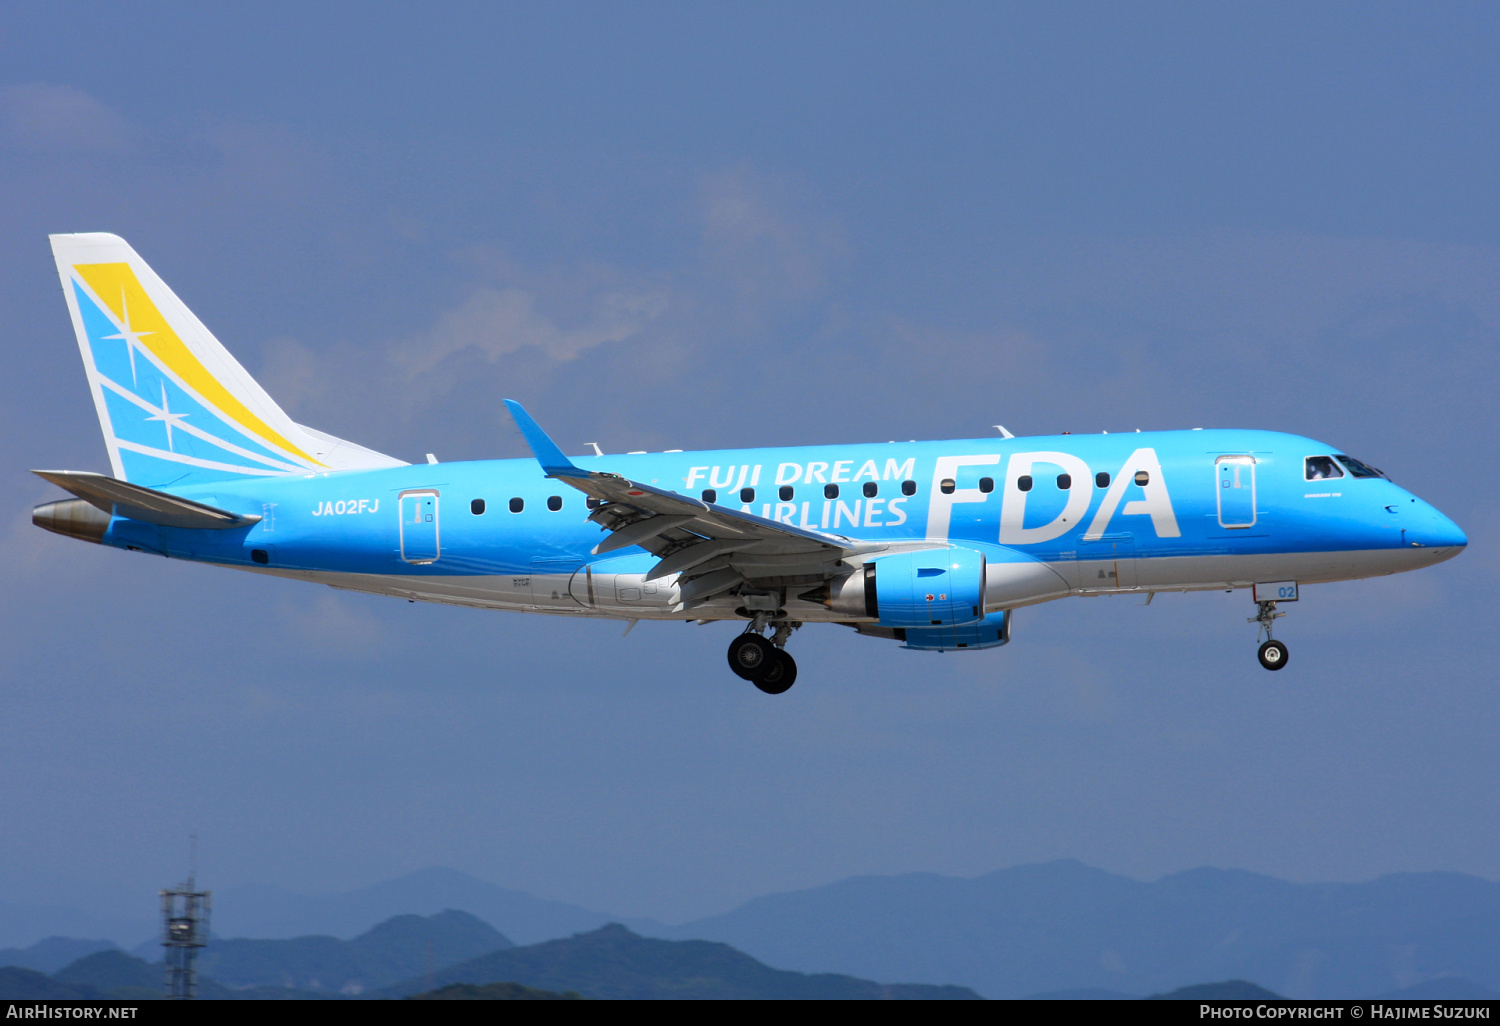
[709, 495]
[747, 494]
[908, 488]
[554, 502]
[871, 489]
[946, 486]
[1064, 481]
[1142, 478]
[516, 505]
[830, 491]
[986, 485]
[1358, 469]
[1101, 479]
[1024, 482]
[786, 493]
[1319, 468]
[477, 507]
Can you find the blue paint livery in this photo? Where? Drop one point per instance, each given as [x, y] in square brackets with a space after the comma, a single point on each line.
[930, 543]
[1372, 514]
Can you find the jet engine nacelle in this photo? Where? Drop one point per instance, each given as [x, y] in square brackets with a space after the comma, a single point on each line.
[929, 588]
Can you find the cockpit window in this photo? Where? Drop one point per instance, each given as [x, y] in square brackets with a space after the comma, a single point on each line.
[1320, 468]
[1359, 469]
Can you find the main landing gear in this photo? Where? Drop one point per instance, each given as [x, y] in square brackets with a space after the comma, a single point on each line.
[1272, 654]
[764, 661]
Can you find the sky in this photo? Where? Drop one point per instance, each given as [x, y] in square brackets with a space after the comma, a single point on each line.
[678, 226]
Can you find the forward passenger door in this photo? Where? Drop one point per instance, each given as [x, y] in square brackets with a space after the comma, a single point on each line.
[1235, 477]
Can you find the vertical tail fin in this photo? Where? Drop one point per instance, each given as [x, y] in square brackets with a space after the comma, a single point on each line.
[175, 407]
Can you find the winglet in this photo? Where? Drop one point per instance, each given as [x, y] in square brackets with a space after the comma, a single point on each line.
[543, 448]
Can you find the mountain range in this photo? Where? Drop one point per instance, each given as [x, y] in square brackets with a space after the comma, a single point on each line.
[614, 963]
[403, 947]
[51, 953]
[1064, 926]
[434, 956]
[22, 924]
[1052, 927]
[271, 912]
[400, 948]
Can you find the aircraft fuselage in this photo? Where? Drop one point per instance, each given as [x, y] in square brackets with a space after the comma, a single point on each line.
[931, 544]
[1069, 515]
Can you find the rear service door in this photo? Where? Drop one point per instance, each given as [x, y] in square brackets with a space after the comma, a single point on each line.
[419, 526]
[1236, 488]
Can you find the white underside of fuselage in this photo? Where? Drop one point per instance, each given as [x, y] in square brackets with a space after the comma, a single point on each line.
[1008, 586]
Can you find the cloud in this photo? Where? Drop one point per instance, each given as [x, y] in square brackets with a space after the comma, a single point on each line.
[289, 371]
[1281, 286]
[758, 240]
[497, 321]
[522, 331]
[271, 162]
[60, 118]
[756, 260]
[333, 626]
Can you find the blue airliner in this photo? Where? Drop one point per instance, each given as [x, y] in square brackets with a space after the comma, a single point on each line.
[930, 544]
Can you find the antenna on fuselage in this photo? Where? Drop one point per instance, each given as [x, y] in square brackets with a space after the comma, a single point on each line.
[1003, 433]
[595, 445]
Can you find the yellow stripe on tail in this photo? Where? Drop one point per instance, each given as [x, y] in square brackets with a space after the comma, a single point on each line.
[117, 287]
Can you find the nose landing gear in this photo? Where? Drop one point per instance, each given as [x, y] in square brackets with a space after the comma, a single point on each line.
[1272, 653]
[763, 661]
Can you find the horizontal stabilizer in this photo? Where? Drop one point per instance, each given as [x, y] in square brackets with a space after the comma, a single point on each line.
[124, 499]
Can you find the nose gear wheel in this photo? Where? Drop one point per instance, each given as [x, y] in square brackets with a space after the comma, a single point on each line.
[1272, 654]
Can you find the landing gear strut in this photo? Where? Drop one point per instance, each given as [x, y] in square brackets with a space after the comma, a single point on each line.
[763, 661]
[1272, 654]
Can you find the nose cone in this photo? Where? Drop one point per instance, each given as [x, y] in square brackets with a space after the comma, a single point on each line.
[1430, 529]
[1450, 534]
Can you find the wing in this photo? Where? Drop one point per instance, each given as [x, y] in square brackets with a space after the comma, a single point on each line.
[714, 548]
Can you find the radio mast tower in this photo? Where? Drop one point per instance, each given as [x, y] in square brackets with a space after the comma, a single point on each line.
[184, 913]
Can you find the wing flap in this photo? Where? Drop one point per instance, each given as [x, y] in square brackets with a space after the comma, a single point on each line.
[690, 556]
[641, 530]
[700, 589]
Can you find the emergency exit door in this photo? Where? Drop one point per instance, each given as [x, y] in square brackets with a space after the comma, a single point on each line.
[1236, 488]
[419, 526]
